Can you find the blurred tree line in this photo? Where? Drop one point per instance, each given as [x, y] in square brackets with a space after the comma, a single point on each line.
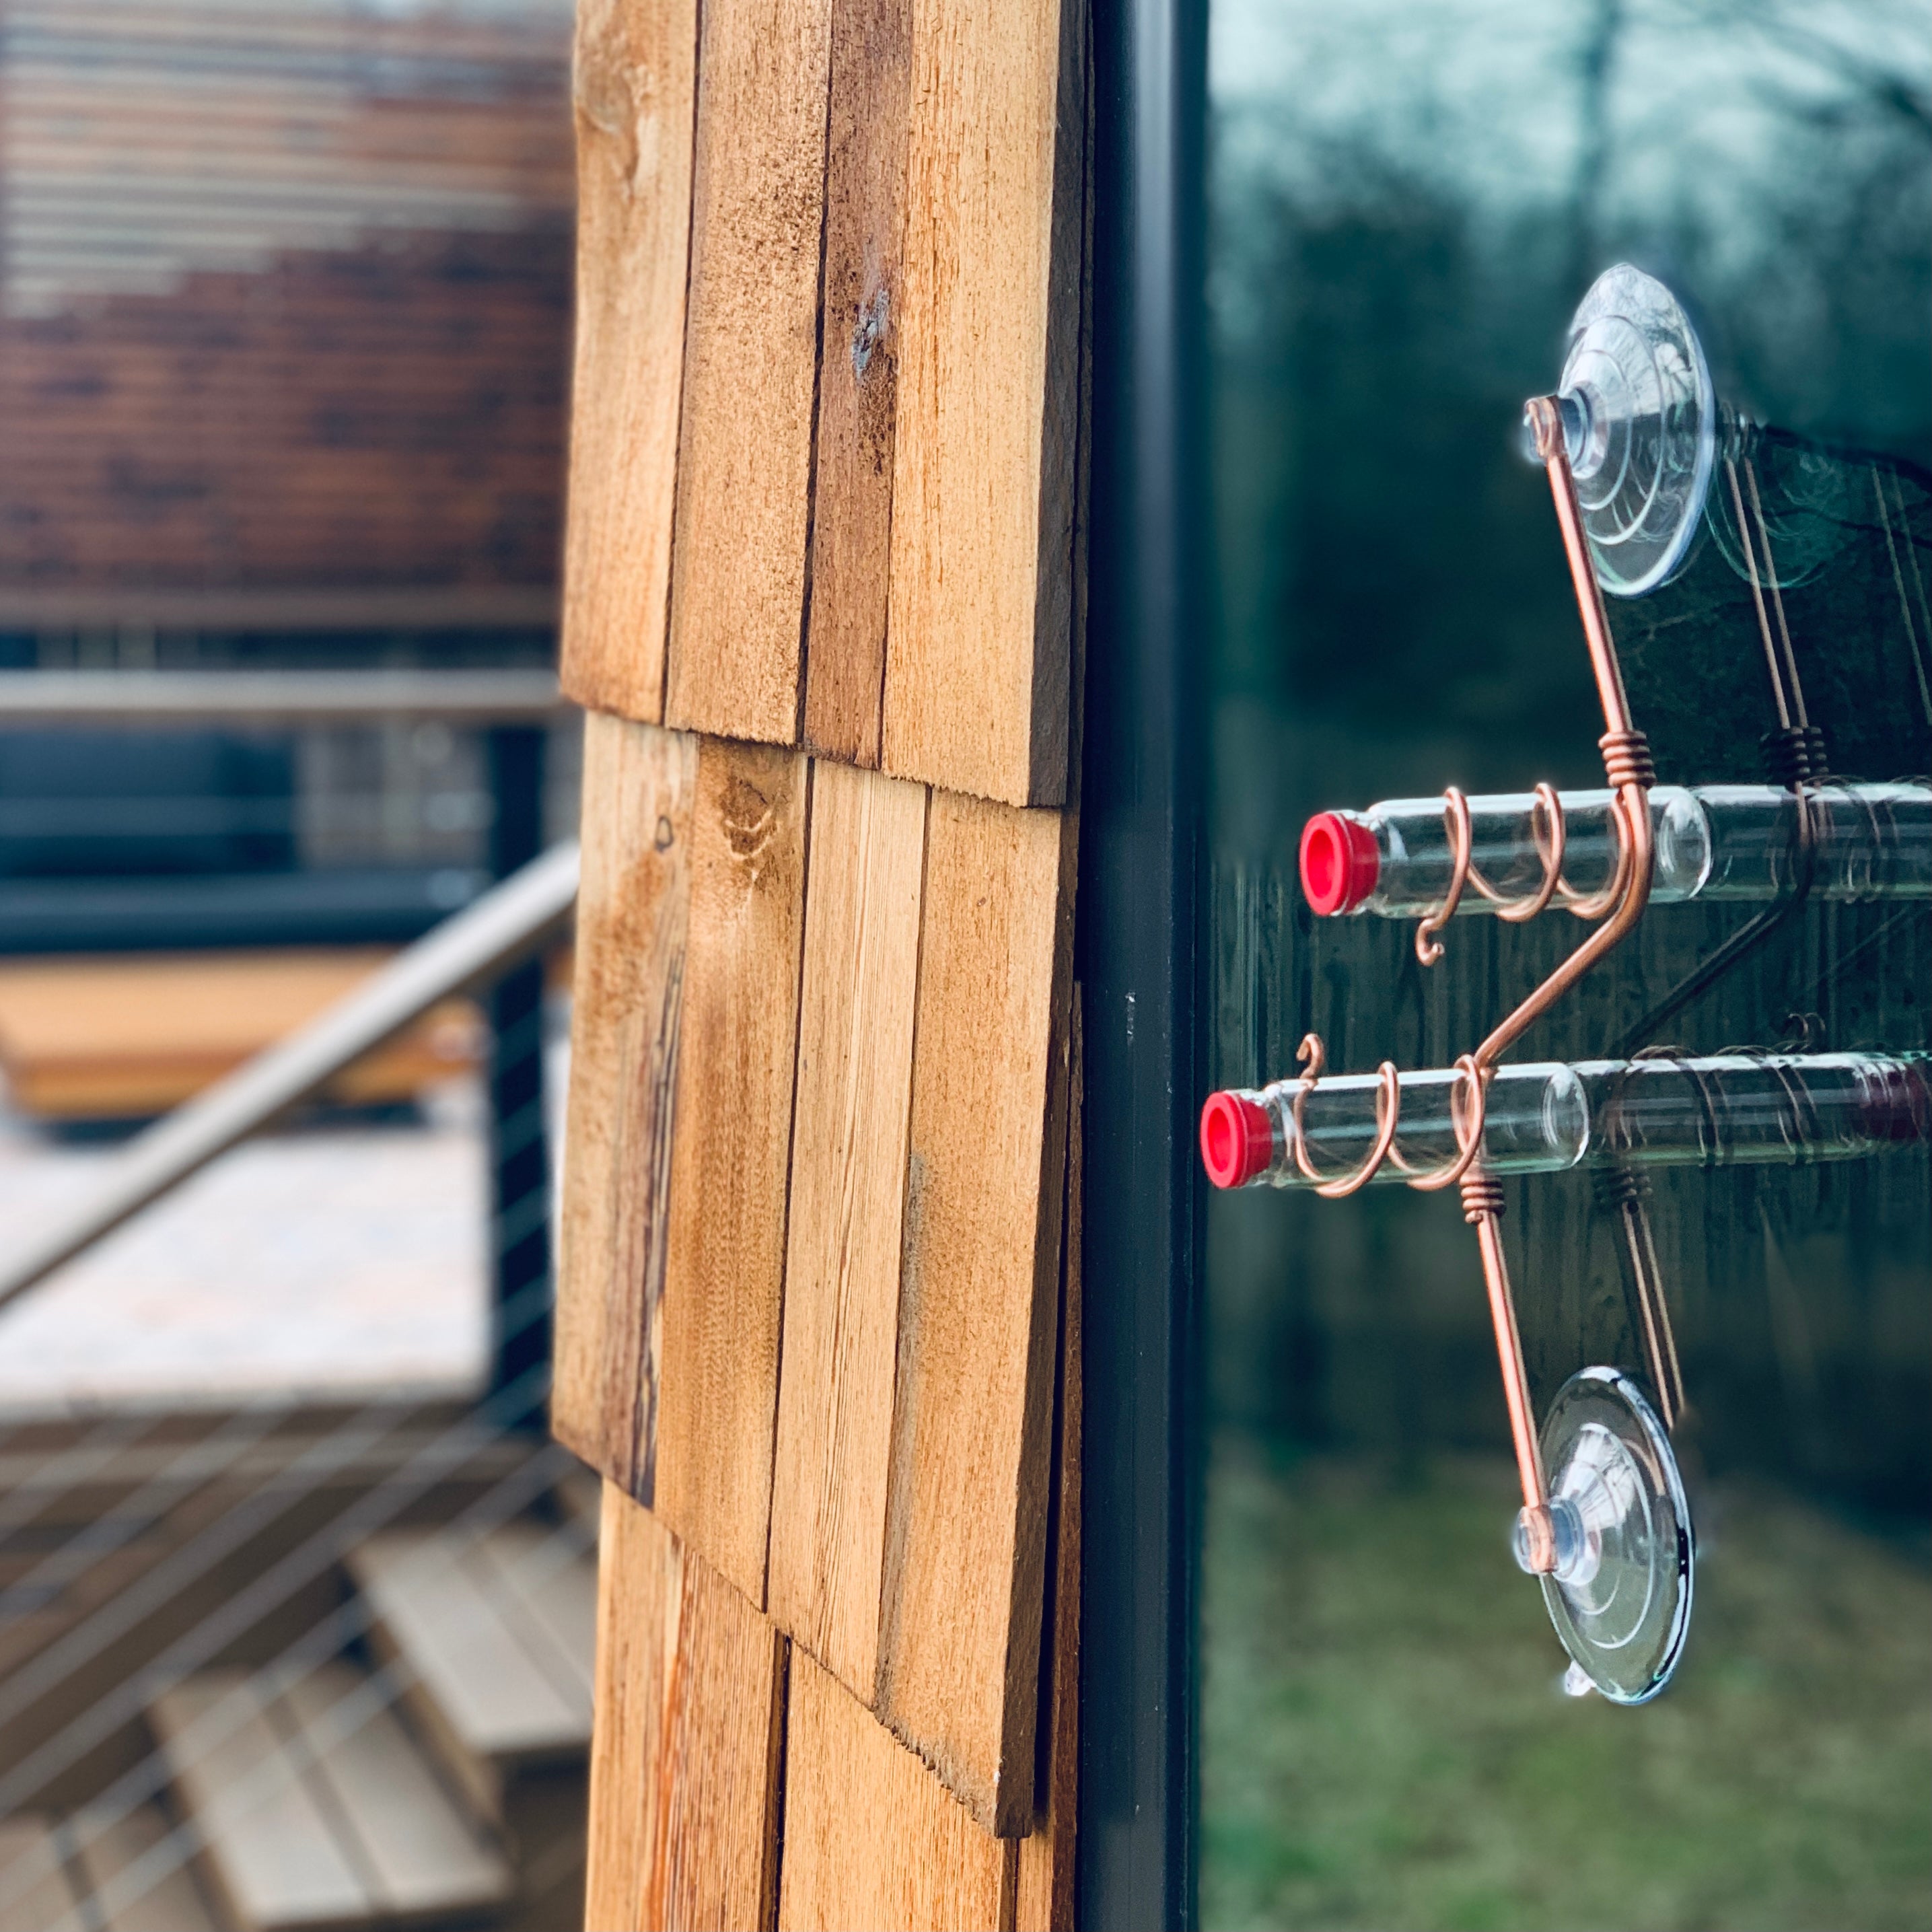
[1401, 229]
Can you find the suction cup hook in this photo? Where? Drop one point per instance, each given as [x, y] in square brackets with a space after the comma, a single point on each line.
[1639, 424]
[1620, 1595]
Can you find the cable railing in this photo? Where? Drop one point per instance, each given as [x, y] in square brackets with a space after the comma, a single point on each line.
[535, 1471]
[497, 697]
[491, 944]
[327, 1638]
[475, 947]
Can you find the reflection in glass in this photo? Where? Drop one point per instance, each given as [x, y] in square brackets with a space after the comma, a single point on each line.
[1409, 204]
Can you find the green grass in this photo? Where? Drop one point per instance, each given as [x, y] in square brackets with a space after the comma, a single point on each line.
[1384, 1744]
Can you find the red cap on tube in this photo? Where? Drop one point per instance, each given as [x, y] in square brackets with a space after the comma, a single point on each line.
[1340, 863]
[1237, 1139]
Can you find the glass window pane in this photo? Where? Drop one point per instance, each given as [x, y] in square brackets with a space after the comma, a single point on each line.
[1408, 204]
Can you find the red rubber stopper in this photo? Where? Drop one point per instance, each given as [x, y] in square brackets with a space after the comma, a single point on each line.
[1340, 863]
[1237, 1139]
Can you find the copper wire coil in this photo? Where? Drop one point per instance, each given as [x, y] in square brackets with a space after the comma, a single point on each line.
[1482, 1194]
[1627, 759]
[1466, 1108]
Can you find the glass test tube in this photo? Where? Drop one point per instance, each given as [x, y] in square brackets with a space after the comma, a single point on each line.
[1718, 1110]
[1713, 842]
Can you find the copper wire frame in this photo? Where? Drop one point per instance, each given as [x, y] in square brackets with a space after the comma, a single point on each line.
[1547, 828]
[1628, 766]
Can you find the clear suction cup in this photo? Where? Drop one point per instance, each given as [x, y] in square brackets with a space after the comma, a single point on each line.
[1620, 1596]
[1639, 423]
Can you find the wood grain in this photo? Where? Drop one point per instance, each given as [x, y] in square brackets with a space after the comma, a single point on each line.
[737, 624]
[852, 507]
[871, 1838]
[1045, 1902]
[640, 787]
[725, 1239]
[685, 1759]
[636, 87]
[977, 668]
[966, 1510]
[847, 1192]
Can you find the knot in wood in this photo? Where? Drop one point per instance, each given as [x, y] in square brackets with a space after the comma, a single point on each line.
[748, 820]
[875, 316]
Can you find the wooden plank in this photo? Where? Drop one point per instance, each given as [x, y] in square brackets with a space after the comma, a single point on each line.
[638, 1581]
[690, 922]
[272, 1856]
[685, 1762]
[475, 1693]
[137, 1872]
[36, 1894]
[423, 1854]
[1045, 1886]
[711, 1457]
[977, 668]
[632, 908]
[847, 1192]
[871, 1838]
[966, 1515]
[636, 90]
[91, 1036]
[744, 481]
[852, 492]
[451, 1638]
[542, 1578]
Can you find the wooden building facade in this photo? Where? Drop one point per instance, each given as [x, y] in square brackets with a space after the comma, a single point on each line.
[284, 314]
[819, 1302]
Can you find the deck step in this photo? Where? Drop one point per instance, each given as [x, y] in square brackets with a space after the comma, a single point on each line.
[37, 1889]
[317, 1807]
[493, 1634]
[137, 1872]
[116, 1035]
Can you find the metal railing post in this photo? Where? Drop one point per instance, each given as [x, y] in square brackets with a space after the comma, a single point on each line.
[520, 1179]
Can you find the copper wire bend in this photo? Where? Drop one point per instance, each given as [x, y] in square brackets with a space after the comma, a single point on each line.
[1466, 1108]
[1549, 830]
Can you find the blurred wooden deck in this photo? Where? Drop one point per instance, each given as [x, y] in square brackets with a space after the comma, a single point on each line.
[124, 1036]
